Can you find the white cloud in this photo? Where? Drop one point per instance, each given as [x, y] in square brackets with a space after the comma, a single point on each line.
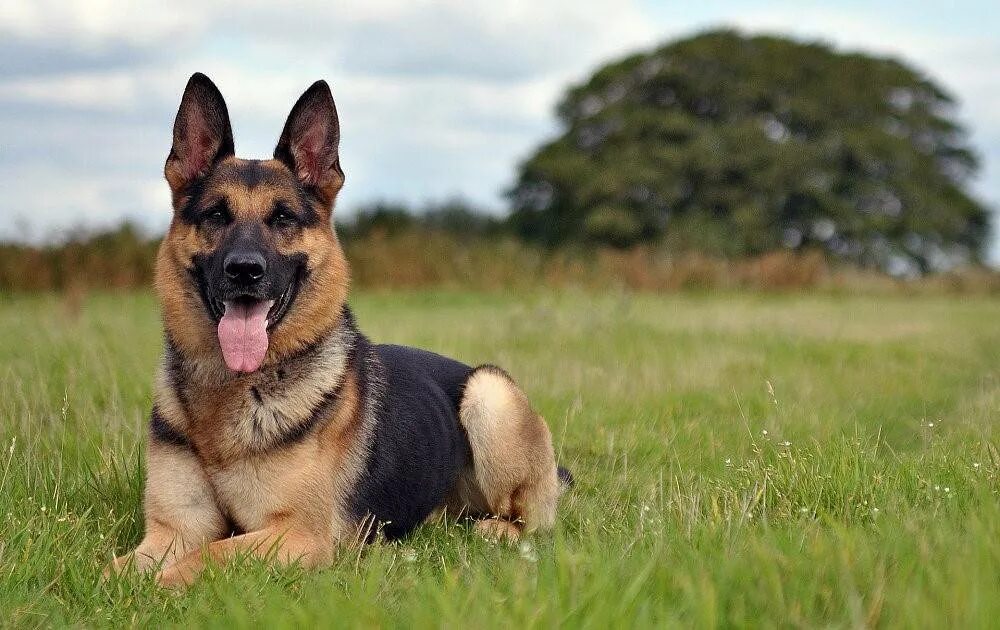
[92, 23]
[115, 91]
[57, 201]
[435, 97]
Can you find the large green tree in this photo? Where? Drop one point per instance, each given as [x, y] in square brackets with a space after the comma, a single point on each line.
[738, 145]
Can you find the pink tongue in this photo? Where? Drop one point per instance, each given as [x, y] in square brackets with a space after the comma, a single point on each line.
[243, 335]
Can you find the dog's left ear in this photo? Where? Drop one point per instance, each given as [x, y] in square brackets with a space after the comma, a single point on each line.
[309, 144]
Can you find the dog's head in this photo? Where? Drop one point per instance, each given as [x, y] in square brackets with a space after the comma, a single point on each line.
[251, 267]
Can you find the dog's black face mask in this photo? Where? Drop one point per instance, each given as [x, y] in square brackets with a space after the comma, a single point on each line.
[247, 285]
[244, 270]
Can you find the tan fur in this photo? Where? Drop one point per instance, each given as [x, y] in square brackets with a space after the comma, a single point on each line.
[181, 511]
[498, 529]
[296, 491]
[282, 542]
[284, 497]
[513, 476]
[219, 458]
[301, 487]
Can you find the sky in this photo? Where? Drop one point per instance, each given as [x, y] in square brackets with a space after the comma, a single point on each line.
[437, 98]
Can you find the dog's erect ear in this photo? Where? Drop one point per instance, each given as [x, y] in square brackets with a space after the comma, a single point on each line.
[202, 133]
[309, 143]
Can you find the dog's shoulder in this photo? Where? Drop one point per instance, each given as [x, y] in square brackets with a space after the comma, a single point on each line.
[411, 370]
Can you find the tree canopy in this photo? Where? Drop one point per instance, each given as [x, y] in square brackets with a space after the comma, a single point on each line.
[737, 145]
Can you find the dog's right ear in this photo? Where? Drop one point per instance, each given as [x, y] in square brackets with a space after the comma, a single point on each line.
[202, 134]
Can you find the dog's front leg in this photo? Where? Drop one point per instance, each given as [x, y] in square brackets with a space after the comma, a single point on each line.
[282, 543]
[180, 508]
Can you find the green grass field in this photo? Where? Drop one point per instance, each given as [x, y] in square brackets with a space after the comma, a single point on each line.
[741, 460]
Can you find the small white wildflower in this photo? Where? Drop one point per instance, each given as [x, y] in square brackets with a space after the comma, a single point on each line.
[645, 508]
[804, 510]
[947, 489]
[786, 443]
[527, 551]
[937, 488]
[729, 461]
[975, 464]
[875, 510]
[930, 425]
[409, 555]
[764, 432]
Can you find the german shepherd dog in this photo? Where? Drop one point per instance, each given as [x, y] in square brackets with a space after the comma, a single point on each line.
[278, 429]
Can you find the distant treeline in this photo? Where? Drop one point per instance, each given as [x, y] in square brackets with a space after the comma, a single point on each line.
[453, 245]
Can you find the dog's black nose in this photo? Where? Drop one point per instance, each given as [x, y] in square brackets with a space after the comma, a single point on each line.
[245, 268]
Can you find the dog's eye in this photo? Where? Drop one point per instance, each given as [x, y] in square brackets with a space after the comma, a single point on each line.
[282, 217]
[216, 215]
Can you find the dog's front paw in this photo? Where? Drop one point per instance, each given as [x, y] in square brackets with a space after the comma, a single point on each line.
[134, 562]
[119, 565]
[176, 577]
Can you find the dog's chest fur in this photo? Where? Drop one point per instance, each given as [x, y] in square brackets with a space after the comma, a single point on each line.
[262, 438]
[257, 490]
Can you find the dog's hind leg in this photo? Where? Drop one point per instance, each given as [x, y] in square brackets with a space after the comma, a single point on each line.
[512, 483]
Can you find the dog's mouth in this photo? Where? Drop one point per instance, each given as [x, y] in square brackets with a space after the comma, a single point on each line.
[276, 311]
[245, 322]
